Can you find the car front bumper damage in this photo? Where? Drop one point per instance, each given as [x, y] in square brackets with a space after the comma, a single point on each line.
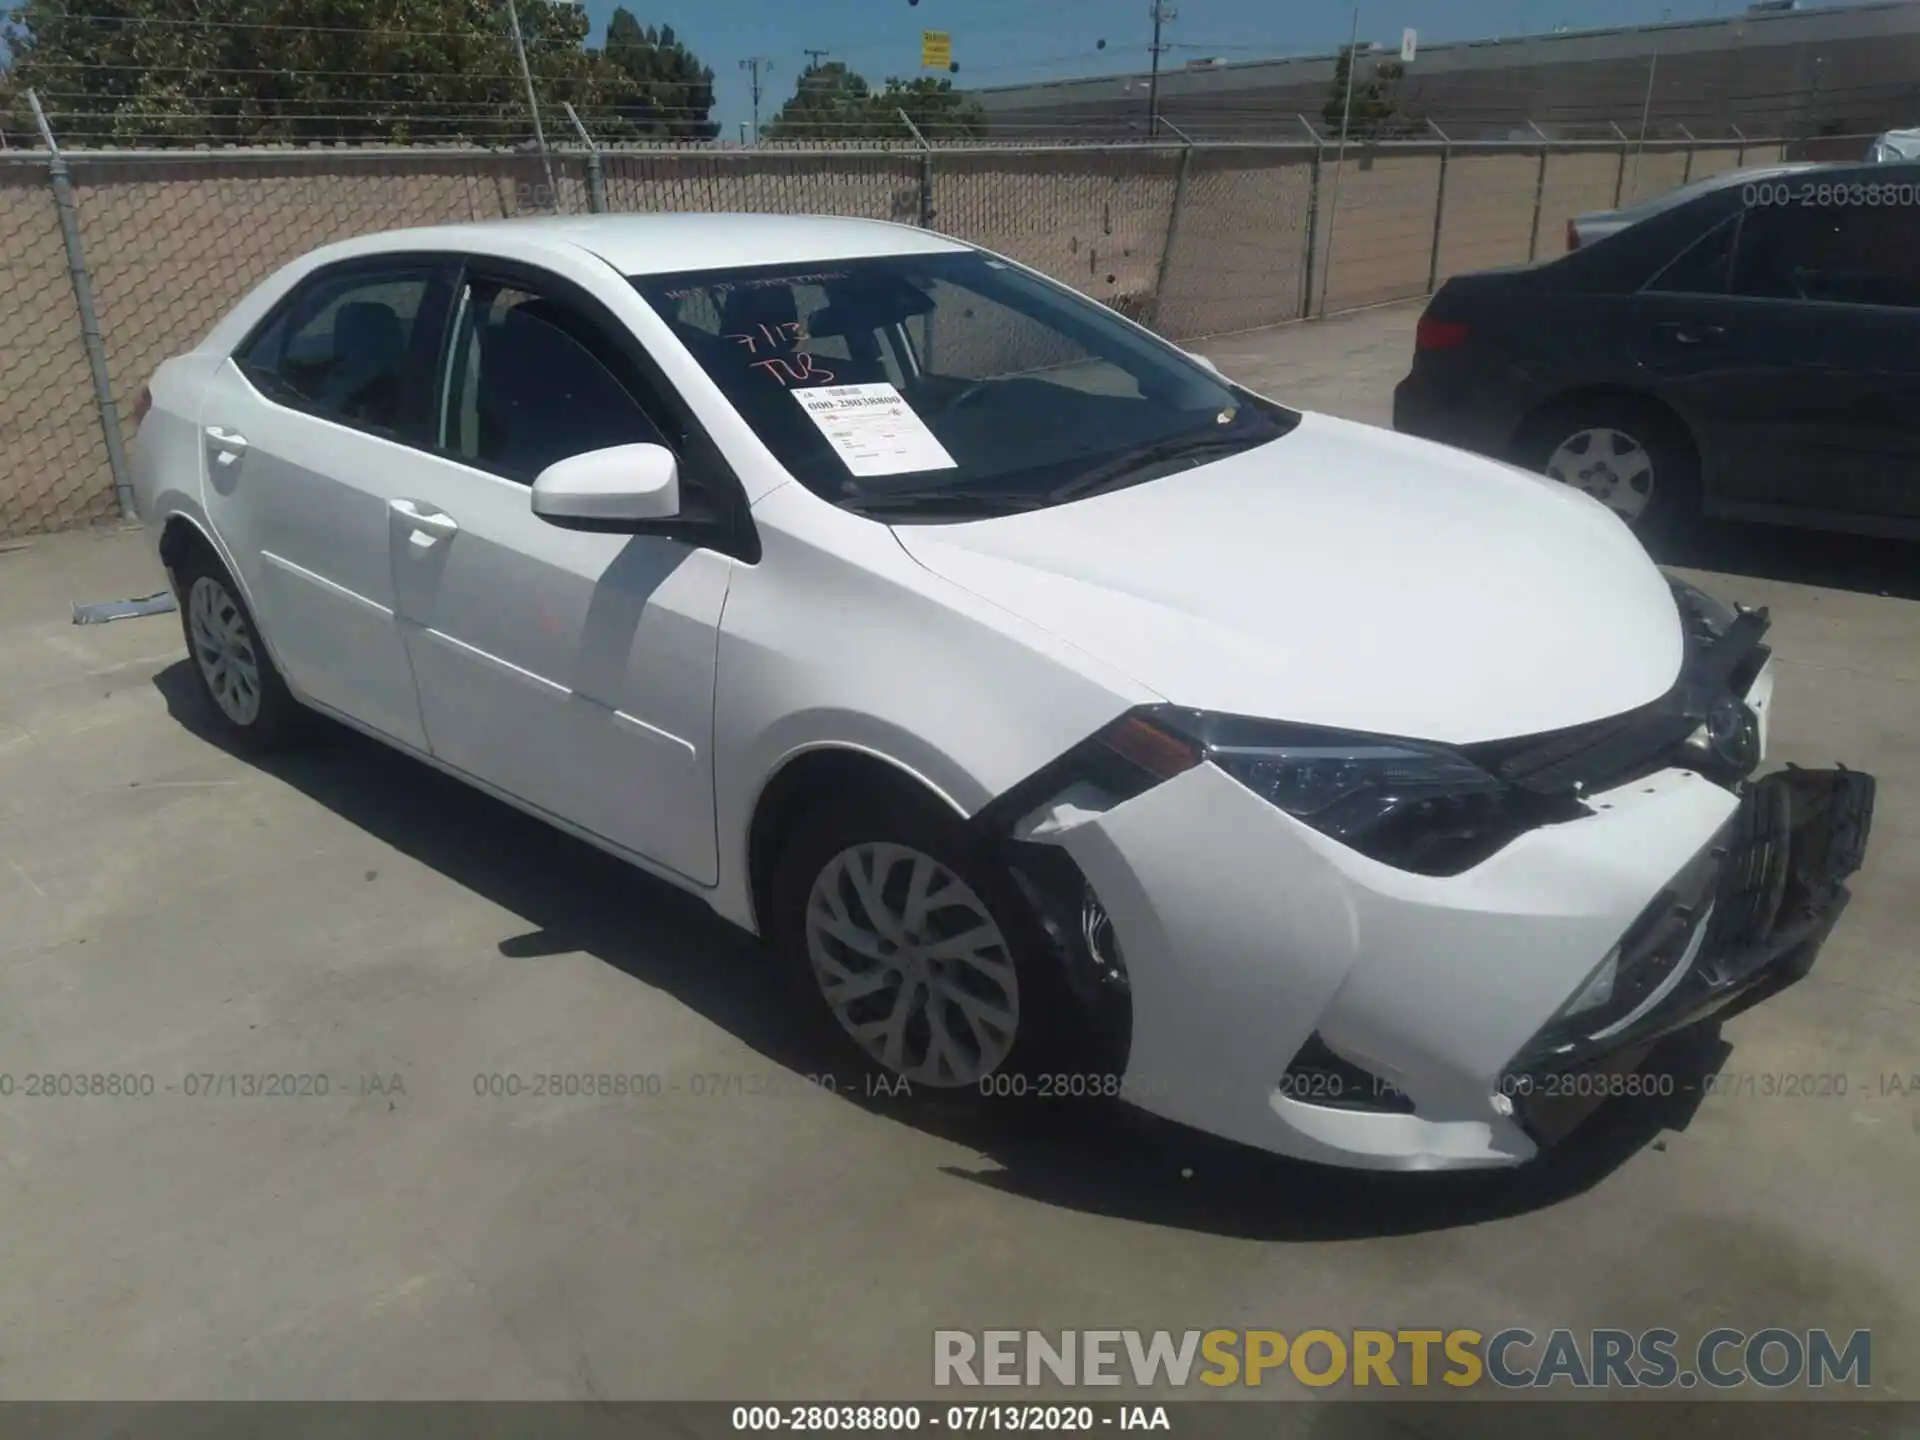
[1762, 900]
[1291, 994]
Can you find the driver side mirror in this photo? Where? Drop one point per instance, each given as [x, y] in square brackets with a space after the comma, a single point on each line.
[620, 489]
[1204, 363]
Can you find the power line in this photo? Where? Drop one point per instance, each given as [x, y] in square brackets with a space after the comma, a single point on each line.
[1161, 12]
[752, 65]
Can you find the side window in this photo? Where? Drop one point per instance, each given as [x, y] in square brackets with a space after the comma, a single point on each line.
[1843, 254]
[532, 382]
[1701, 269]
[342, 347]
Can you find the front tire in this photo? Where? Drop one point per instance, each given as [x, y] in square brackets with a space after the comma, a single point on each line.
[243, 688]
[1632, 457]
[920, 960]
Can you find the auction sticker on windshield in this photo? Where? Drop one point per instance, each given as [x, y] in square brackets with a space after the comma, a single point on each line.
[874, 430]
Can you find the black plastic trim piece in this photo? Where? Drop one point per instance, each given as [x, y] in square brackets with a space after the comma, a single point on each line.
[1320, 1076]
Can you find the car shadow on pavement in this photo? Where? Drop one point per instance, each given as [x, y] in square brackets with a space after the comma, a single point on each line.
[1092, 1156]
[1868, 565]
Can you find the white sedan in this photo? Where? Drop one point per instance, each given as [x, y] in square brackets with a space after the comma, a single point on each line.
[1076, 720]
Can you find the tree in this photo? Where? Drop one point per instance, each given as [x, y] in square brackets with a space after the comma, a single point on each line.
[938, 110]
[665, 92]
[831, 102]
[1372, 107]
[174, 72]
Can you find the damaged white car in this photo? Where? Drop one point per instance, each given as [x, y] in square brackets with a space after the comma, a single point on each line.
[1076, 720]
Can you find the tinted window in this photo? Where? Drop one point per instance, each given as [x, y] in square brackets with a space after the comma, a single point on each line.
[1850, 254]
[342, 346]
[1701, 268]
[533, 382]
[950, 382]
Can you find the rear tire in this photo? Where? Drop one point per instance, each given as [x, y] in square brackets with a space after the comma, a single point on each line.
[245, 694]
[915, 953]
[1633, 457]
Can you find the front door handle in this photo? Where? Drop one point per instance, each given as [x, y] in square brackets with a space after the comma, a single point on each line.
[1684, 334]
[231, 445]
[423, 519]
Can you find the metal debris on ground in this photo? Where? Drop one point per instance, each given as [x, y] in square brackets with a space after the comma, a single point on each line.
[161, 602]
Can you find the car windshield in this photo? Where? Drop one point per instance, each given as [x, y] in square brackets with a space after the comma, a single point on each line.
[951, 385]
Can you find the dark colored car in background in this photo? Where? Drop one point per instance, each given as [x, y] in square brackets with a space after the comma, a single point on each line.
[1752, 352]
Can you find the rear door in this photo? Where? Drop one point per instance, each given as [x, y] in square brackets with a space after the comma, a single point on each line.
[306, 429]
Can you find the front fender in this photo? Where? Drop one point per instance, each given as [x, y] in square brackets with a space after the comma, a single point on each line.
[838, 639]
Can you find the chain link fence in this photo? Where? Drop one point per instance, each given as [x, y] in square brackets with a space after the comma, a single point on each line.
[1189, 239]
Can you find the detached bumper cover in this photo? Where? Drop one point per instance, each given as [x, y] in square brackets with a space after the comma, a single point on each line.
[1763, 898]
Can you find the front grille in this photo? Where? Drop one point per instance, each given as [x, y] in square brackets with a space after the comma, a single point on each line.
[1603, 754]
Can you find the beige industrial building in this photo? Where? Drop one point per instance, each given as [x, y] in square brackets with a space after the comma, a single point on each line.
[1772, 71]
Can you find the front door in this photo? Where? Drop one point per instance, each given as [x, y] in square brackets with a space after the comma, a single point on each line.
[573, 670]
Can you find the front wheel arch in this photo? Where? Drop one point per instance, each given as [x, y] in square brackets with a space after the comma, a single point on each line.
[811, 777]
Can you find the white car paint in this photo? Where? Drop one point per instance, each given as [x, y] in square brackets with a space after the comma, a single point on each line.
[1323, 576]
[644, 694]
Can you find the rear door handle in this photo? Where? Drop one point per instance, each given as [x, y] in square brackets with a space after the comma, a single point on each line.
[424, 520]
[231, 444]
[1684, 334]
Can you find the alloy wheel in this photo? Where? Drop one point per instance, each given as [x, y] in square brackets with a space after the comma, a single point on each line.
[224, 646]
[912, 964]
[1610, 465]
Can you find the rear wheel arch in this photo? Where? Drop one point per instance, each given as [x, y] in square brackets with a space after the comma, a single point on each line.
[184, 535]
[180, 537]
[808, 778]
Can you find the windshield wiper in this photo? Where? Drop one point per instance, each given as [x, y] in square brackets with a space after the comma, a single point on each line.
[1127, 466]
[945, 502]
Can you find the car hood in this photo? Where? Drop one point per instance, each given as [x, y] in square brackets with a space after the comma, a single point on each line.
[1342, 576]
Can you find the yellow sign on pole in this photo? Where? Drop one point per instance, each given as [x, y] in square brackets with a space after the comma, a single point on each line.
[936, 49]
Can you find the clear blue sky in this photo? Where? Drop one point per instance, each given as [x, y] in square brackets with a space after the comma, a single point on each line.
[1004, 42]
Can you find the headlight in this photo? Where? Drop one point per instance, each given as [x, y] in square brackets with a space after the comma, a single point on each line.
[1348, 788]
[1406, 803]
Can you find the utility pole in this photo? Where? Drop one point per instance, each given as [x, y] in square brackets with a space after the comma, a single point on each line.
[1162, 13]
[753, 65]
[533, 101]
[1340, 160]
[814, 57]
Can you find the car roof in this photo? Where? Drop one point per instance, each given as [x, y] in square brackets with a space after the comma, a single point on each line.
[1667, 199]
[659, 244]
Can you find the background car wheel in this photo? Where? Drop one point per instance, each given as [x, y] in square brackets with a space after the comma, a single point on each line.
[1632, 457]
[919, 957]
[249, 700]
